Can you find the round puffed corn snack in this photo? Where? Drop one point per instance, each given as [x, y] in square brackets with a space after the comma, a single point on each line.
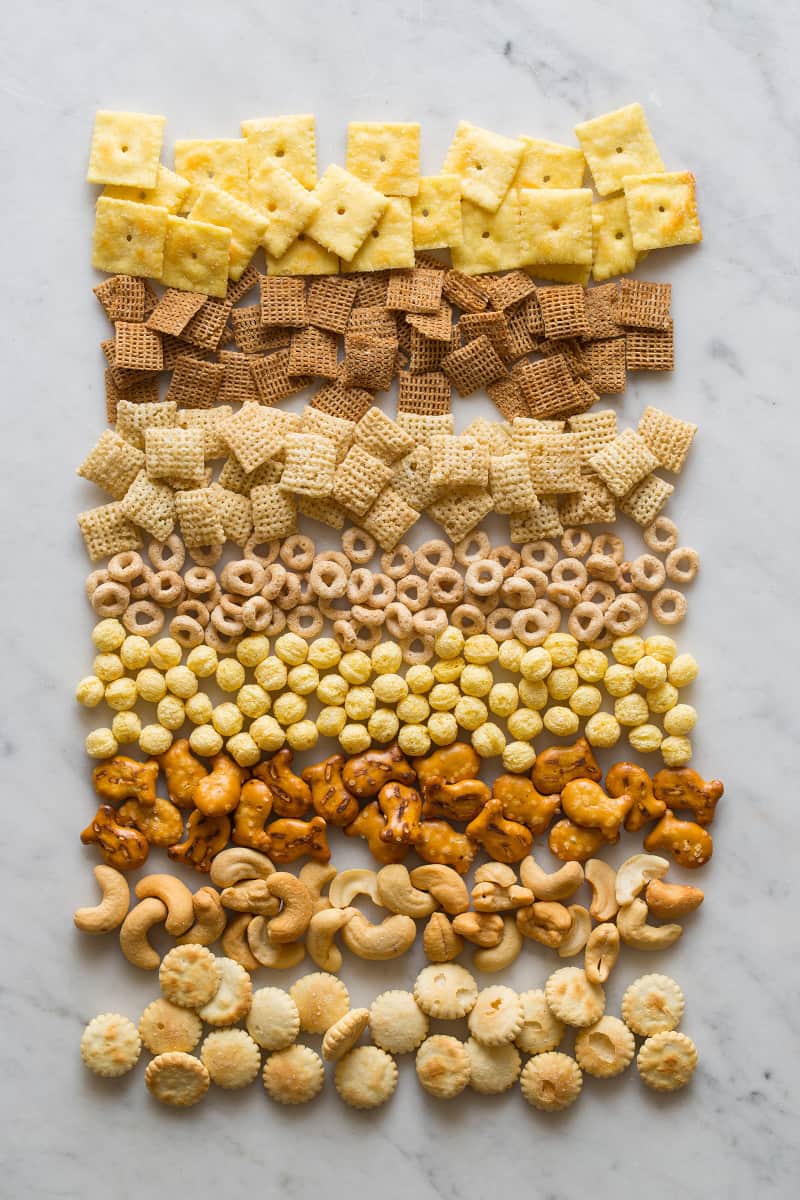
[496, 1016]
[445, 991]
[604, 1049]
[232, 999]
[294, 1075]
[177, 1079]
[397, 1023]
[344, 1033]
[667, 1061]
[321, 1000]
[541, 1029]
[110, 1045]
[443, 1066]
[273, 1020]
[653, 1004]
[366, 1077]
[493, 1069]
[189, 975]
[551, 1082]
[164, 1026]
[573, 999]
[231, 1058]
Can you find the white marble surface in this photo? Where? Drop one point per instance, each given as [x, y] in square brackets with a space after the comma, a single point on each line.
[716, 79]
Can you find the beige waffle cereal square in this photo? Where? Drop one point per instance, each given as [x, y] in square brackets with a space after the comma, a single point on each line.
[613, 250]
[526, 430]
[668, 437]
[459, 512]
[133, 418]
[313, 352]
[211, 423]
[151, 505]
[507, 396]
[510, 482]
[247, 226]
[473, 366]
[547, 386]
[496, 436]
[438, 325]
[607, 365]
[107, 531]
[289, 141]
[339, 429]
[643, 305]
[601, 308]
[645, 501]
[624, 462]
[136, 347]
[428, 394]
[382, 436]
[424, 426]
[175, 310]
[360, 477]
[458, 462]
[555, 226]
[129, 237]
[174, 454]
[349, 403]
[272, 378]
[549, 165]
[492, 324]
[594, 504]
[195, 383]
[369, 362]
[286, 203]
[484, 162]
[412, 478]
[465, 292]
[349, 210]
[329, 303]
[304, 257]
[322, 509]
[238, 385]
[255, 434]
[555, 463]
[418, 290]
[489, 241]
[112, 464]
[650, 349]
[219, 161]
[235, 514]
[274, 512]
[436, 212]
[389, 519]
[196, 256]
[198, 518]
[385, 155]
[563, 311]
[617, 144]
[170, 191]
[111, 1045]
[236, 480]
[207, 326]
[541, 522]
[594, 430]
[390, 244]
[283, 301]
[125, 148]
[310, 464]
[662, 210]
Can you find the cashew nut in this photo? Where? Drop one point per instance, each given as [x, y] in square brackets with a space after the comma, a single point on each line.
[491, 897]
[176, 896]
[235, 943]
[635, 872]
[578, 933]
[602, 879]
[135, 928]
[391, 938]
[267, 954]
[444, 884]
[110, 912]
[544, 922]
[497, 958]
[555, 886]
[602, 952]
[668, 900]
[634, 930]
[359, 881]
[689, 843]
[250, 896]
[294, 917]
[237, 863]
[209, 918]
[320, 935]
[397, 893]
[482, 929]
[496, 872]
[317, 876]
[439, 941]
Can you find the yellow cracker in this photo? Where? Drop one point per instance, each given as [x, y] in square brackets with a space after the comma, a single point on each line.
[490, 241]
[196, 257]
[170, 191]
[125, 148]
[662, 210]
[246, 225]
[611, 237]
[391, 243]
[617, 144]
[304, 257]
[385, 155]
[436, 212]
[549, 164]
[129, 237]
[562, 273]
[349, 209]
[555, 225]
[285, 202]
[485, 162]
[289, 140]
[221, 161]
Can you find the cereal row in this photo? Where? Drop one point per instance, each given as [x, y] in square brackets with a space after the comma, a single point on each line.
[498, 202]
[502, 1026]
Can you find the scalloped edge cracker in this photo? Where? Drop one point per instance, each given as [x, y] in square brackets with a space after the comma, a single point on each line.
[391, 242]
[289, 140]
[385, 154]
[196, 256]
[125, 148]
[436, 212]
[617, 144]
[247, 227]
[662, 210]
[287, 205]
[555, 226]
[129, 237]
[349, 210]
[485, 162]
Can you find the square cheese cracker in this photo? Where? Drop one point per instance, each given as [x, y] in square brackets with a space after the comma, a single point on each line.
[125, 149]
[247, 226]
[385, 155]
[129, 237]
[549, 164]
[349, 210]
[489, 241]
[221, 161]
[196, 257]
[391, 242]
[287, 205]
[662, 210]
[485, 162]
[289, 140]
[304, 257]
[614, 253]
[170, 191]
[436, 212]
[617, 144]
[555, 225]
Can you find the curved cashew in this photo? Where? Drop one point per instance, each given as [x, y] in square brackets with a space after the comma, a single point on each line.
[444, 884]
[359, 881]
[555, 886]
[439, 941]
[176, 896]
[266, 953]
[135, 928]
[496, 872]
[320, 935]
[397, 893]
[497, 958]
[297, 903]
[602, 879]
[210, 918]
[317, 876]
[634, 930]
[482, 929]
[390, 939]
[235, 943]
[602, 952]
[635, 872]
[491, 897]
[545, 922]
[110, 912]
[237, 863]
[578, 933]
[667, 900]
[250, 896]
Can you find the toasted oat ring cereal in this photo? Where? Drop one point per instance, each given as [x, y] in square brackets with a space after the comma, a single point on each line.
[599, 593]
[565, 595]
[605, 1048]
[382, 592]
[417, 649]
[289, 595]
[273, 1020]
[493, 1069]
[541, 1029]
[359, 585]
[647, 573]
[661, 536]
[200, 581]
[344, 1033]
[306, 621]
[345, 634]
[274, 579]
[177, 1079]
[110, 599]
[541, 554]
[667, 606]
[189, 975]
[653, 1004]
[484, 577]
[397, 1022]
[623, 616]
[358, 545]
[256, 614]
[602, 566]
[446, 586]
[360, 614]
[227, 622]
[586, 622]
[468, 618]
[682, 564]
[321, 999]
[442, 1065]
[622, 580]
[551, 1082]
[508, 558]
[551, 611]
[206, 556]
[500, 624]
[609, 545]
[367, 636]
[472, 548]
[431, 556]
[430, 622]
[126, 567]
[297, 552]
[166, 588]
[399, 620]
[576, 542]
[531, 626]
[187, 632]
[244, 577]
[366, 1077]
[231, 1058]
[110, 1045]
[164, 1026]
[570, 570]
[496, 1016]
[485, 604]
[398, 563]
[143, 617]
[169, 555]
[94, 579]
[294, 1075]
[445, 991]
[277, 623]
[233, 997]
[573, 999]
[413, 591]
[520, 592]
[250, 550]
[328, 579]
[221, 642]
[667, 1061]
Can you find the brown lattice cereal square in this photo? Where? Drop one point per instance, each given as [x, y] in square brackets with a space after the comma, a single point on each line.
[360, 477]
[234, 479]
[238, 385]
[372, 287]
[174, 311]
[547, 386]
[508, 289]
[194, 383]
[207, 327]
[465, 291]
[283, 300]
[538, 523]
[644, 502]
[428, 394]
[142, 391]
[369, 362]
[601, 312]
[347, 403]
[492, 324]
[507, 396]
[668, 437]
[458, 513]
[255, 435]
[424, 426]
[521, 340]
[330, 299]
[458, 462]
[239, 288]
[389, 519]
[312, 352]
[107, 531]
[438, 325]
[134, 418]
[125, 298]
[112, 464]
[533, 315]
[372, 319]
[310, 464]
[594, 430]
[253, 337]
[381, 436]
[235, 513]
[211, 422]
[473, 366]
[555, 463]
[607, 365]
[510, 482]
[272, 377]
[563, 310]
[624, 462]
[574, 353]
[593, 505]
[137, 348]
[427, 354]
[644, 305]
[199, 518]
[418, 290]
[649, 349]
[151, 505]
[322, 509]
[175, 454]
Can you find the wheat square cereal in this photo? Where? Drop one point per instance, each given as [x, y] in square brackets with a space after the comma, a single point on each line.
[510, 482]
[521, 340]
[418, 290]
[134, 417]
[125, 148]
[136, 347]
[593, 505]
[234, 479]
[196, 256]
[174, 453]
[174, 311]
[555, 226]
[436, 212]
[349, 210]
[644, 305]
[112, 464]
[238, 385]
[644, 502]
[304, 257]
[322, 509]
[151, 505]
[107, 531]
[255, 434]
[195, 383]
[129, 237]
[287, 204]
[207, 327]
[389, 519]
[607, 365]
[235, 513]
[430, 262]
[465, 292]
[238, 288]
[668, 437]
[549, 165]
[348, 403]
[650, 349]
[547, 386]
[428, 394]
[594, 431]
[313, 352]
[385, 155]
[170, 191]
[199, 518]
[176, 348]
[509, 289]
[272, 378]
[484, 162]
[255, 338]
[380, 435]
[247, 226]
[390, 244]
[507, 396]
[283, 301]
[613, 249]
[221, 161]
[310, 464]
[372, 288]
[125, 298]
[288, 141]
[123, 377]
[360, 477]
[623, 463]
[369, 362]
[340, 430]
[489, 241]
[473, 366]
[617, 144]
[492, 324]
[211, 422]
[329, 303]
[437, 326]
[538, 523]
[601, 309]
[662, 210]
[427, 354]
[374, 321]
[460, 512]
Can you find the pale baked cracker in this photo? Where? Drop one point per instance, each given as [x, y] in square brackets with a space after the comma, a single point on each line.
[287, 204]
[489, 241]
[549, 164]
[662, 210]
[288, 140]
[304, 257]
[129, 237]
[232, 999]
[247, 226]
[555, 226]
[218, 161]
[349, 210]
[390, 244]
[385, 155]
[485, 163]
[436, 212]
[614, 252]
[617, 144]
[125, 148]
[171, 191]
[231, 1057]
[196, 256]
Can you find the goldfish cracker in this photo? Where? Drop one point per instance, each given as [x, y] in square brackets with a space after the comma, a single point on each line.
[291, 649]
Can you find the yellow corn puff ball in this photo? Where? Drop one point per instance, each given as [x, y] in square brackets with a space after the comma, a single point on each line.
[359, 703]
[108, 635]
[198, 709]
[271, 674]
[645, 738]
[181, 682]
[331, 720]
[302, 735]
[323, 653]
[420, 678]
[585, 700]
[443, 697]
[470, 713]
[619, 680]
[602, 730]
[267, 734]
[476, 680]
[202, 661]
[536, 664]
[101, 743]
[510, 655]
[525, 724]
[151, 685]
[387, 658]
[562, 682]
[252, 700]
[448, 670]
[155, 739]
[288, 709]
[449, 643]
[649, 671]
[108, 667]
[89, 691]
[488, 740]
[682, 670]
[561, 721]
[303, 680]
[676, 751]
[628, 650]
[252, 650]
[205, 741]
[442, 728]
[680, 720]
[414, 740]
[135, 652]
[164, 653]
[230, 675]
[354, 738]
[332, 689]
[591, 665]
[533, 694]
[662, 698]
[503, 699]
[631, 710]
[126, 727]
[226, 719]
[355, 666]
[383, 725]
[661, 647]
[171, 713]
[291, 649]
[390, 688]
[480, 648]
[243, 749]
[413, 710]
[518, 757]
[562, 648]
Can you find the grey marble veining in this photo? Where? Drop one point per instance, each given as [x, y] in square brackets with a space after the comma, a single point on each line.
[717, 80]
